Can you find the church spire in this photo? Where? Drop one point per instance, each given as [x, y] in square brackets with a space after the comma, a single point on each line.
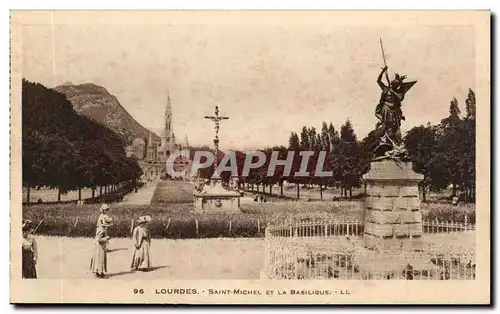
[167, 131]
[168, 109]
[168, 139]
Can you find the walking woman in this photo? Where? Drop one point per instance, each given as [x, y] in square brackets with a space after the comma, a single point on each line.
[142, 241]
[99, 261]
[30, 252]
[104, 215]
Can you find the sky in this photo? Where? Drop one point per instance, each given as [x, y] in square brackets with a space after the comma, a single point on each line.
[270, 75]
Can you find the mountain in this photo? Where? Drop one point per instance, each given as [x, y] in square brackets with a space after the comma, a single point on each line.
[96, 102]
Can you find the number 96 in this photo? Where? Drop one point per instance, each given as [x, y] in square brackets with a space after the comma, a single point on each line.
[138, 291]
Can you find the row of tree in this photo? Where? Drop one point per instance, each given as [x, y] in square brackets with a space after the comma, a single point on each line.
[64, 150]
[444, 153]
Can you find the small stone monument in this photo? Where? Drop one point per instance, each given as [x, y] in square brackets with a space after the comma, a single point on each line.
[212, 196]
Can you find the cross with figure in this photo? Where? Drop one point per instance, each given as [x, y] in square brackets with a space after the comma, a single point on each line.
[217, 120]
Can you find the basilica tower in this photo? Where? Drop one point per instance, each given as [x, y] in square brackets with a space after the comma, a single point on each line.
[167, 139]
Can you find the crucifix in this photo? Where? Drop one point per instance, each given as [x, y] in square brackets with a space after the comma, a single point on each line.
[217, 120]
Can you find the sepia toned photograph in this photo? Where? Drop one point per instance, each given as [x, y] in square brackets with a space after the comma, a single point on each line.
[250, 157]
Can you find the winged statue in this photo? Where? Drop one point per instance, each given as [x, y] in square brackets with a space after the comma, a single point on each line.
[389, 113]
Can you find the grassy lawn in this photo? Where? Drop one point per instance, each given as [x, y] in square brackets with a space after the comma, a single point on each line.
[177, 221]
[173, 192]
[50, 195]
[173, 216]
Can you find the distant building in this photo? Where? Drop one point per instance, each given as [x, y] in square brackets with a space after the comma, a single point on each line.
[154, 165]
[137, 149]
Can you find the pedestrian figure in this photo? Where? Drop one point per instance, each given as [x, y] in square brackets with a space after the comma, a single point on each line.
[104, 214]
[30, 252]
[142, 241]
[99, 260]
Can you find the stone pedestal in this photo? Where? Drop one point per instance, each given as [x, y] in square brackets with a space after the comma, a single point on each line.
[215, 198]
[393, 220]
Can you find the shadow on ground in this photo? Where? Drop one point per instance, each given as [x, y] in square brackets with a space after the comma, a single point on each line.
[121, 273]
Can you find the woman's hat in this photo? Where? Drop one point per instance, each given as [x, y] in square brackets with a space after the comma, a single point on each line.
[106, 221]
[144, 219]
[26, 224]
[104, 207]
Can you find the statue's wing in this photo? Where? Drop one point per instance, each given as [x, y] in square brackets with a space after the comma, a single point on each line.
[405, 87]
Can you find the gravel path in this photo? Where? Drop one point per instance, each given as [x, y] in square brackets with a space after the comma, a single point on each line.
[142, 197]
[61, 257]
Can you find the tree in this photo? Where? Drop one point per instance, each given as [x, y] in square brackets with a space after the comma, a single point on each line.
[305, 140]
[65, 150]
[450, 147]
[294, 143]
[349, 159]
[421, 143]
[469, 141]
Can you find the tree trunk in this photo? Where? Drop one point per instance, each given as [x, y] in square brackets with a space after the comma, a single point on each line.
[28, 196]
[454, 191]
[58, 195]
[93, 192]
[321, 191]
[298, 190]
[281, 189]
[100, 190]
[270, 189]
[424, 194]
[350, 193]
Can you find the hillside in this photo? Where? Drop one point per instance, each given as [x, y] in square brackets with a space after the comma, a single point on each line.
[96, 102]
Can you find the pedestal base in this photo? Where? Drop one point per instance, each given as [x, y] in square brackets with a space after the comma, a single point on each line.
[214, 203]
[392, 207]
[215, 198]
[393, 244]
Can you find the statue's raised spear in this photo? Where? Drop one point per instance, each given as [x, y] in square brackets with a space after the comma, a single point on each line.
[385, 64]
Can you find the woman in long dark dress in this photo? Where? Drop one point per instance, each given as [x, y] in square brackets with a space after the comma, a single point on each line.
[141, 259]
[99, 259]
[30, 252]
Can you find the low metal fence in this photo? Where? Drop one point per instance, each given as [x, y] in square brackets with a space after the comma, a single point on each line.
[333, 249]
